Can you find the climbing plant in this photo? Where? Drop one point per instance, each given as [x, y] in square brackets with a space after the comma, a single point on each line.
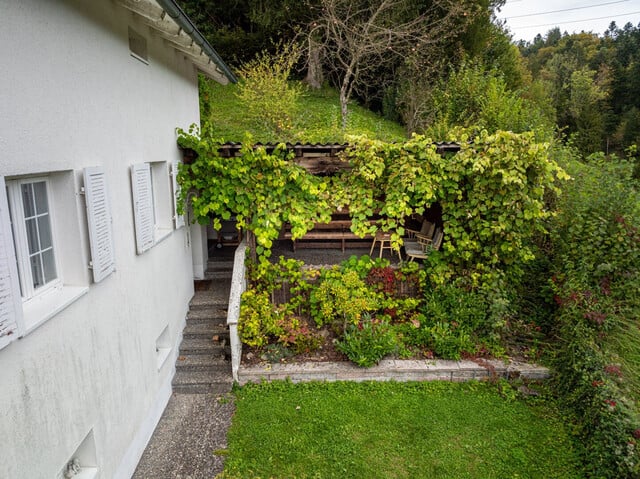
[491, 193]
[262, 190]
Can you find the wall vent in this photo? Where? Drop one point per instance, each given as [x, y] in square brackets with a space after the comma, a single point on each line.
[138, 46]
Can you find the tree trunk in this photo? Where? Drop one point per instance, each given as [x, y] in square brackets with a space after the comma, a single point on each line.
[343, 107]
[315, 75]
[345, 93]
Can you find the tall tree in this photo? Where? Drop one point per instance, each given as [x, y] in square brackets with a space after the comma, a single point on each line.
[240, 30]
[360, 37]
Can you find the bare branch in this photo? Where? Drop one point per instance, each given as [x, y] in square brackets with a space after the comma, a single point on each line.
[361, 37]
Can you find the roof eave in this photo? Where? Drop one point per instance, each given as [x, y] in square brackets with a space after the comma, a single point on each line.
[180, 32]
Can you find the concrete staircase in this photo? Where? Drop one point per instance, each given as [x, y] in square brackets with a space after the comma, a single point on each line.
[204, 364]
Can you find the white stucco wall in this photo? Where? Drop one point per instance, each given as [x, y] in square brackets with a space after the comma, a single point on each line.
[71, 97]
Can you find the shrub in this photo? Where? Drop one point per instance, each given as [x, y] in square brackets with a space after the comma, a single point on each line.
[593, 390]
[295, 333]
[287, 276]
[368, 341]
[258, 318]
[448, 340]
[412, 333]
[268, 98]
[341, 299]
[596, 266]
[457, 320]
[475, 97]
[383, 279]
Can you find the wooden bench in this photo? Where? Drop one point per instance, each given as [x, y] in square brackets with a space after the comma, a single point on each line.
[335, 234]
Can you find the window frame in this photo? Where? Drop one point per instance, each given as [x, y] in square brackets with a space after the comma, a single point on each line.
[152, 206]
[161, 193]
[21, 243]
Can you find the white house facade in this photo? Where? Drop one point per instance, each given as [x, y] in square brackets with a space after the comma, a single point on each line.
[96, 267]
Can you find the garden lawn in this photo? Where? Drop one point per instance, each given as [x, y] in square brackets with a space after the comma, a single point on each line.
[317, 120]
[370, 430]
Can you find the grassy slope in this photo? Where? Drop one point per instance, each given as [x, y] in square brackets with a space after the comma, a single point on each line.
[318, 121]
[432, 430]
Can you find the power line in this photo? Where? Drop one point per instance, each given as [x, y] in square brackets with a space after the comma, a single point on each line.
[579, 21]
[564, 10]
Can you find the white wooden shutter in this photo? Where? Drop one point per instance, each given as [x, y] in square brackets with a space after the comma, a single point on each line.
[99, 222]
[10, 300]
[142, 206]
[178, 220]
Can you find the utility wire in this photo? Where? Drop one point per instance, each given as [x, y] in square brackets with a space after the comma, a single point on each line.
[564, 10]
[579, 21]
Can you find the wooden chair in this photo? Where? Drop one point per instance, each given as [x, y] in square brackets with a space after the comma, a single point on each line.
[427, 229]
[424, 245]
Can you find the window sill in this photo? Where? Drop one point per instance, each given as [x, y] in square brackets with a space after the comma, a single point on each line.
[40, 309]
[162, 234]
[139, 58]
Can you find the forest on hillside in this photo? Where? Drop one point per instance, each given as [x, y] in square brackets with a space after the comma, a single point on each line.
[431, 65]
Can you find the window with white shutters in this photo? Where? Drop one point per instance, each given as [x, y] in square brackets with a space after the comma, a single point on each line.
[10, 302]
[33, 234]
[178, 219]
[99, 223]
[143, 211]
[33, 259]
[153, 207]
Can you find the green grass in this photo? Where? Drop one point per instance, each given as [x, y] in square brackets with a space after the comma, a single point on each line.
[318, 120]
[392, 430]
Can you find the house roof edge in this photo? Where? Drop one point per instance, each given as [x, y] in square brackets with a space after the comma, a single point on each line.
[182, 19]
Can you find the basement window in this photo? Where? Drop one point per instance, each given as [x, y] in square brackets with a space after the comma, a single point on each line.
[163, 347]
[138, 46]
[83, 463]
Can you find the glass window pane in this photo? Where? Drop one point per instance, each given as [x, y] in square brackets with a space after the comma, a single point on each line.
[49, 263]
[44, 229]
[36, 271]
[32, 235]
[27, 200]
[40, 193]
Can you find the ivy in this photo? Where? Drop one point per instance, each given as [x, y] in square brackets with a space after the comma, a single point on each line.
[491, 192]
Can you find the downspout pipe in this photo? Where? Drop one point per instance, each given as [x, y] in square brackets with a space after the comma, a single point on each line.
[181, 18]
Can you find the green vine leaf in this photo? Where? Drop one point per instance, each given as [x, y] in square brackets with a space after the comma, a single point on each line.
[492, 194]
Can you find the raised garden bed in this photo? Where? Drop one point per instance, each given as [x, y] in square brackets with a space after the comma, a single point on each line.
[364, 310]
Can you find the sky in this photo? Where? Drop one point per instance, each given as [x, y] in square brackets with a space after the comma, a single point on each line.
[526, 18]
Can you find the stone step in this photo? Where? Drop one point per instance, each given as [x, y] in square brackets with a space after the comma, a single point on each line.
[221, 338]
[202, 377]
[209, 302]
[221, 265]
[207, 299]
[203, 346]
[215, 388]
[202, 362]
[202, 382]
[205, 327]
[218, 314]
[218, 275]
